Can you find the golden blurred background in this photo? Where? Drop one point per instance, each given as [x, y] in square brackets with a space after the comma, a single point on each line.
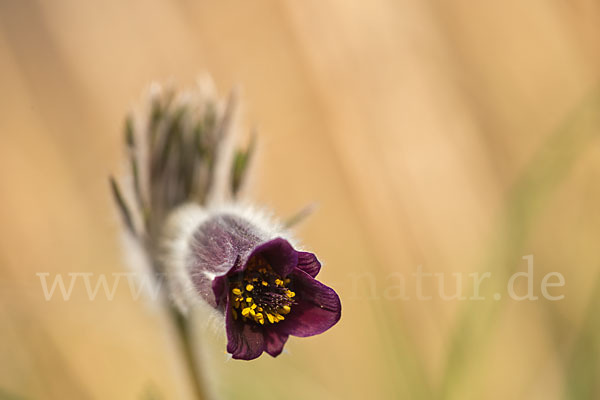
[458, 136]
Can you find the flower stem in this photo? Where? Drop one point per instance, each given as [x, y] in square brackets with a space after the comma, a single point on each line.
[182, 328]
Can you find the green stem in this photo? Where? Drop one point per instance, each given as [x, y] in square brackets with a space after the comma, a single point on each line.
[183, 332]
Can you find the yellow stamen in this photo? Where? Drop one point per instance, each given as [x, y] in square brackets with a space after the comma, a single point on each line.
[290, 293]
[271, 319]
[285, 309]
[249, 299]
[246, 311]
[278, 282]
[265, 283]
[236, 291]
[249, 288]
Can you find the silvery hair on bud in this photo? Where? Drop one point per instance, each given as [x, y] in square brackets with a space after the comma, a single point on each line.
[180, 246]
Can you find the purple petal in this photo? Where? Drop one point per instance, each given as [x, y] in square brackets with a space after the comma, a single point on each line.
[318, 307]
[275, 342]
[280, 255]
[308, 263]
[244, 341]
[219, 287]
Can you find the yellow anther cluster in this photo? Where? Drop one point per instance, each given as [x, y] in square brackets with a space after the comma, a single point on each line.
[261, 295]
[250, 310]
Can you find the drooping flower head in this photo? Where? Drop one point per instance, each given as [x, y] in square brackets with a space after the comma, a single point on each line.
[230, 257]
[265, 288]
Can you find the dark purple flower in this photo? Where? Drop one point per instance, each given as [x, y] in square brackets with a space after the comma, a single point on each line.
[265, 288]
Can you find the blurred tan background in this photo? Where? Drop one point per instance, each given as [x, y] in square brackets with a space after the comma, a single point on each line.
[458, 136]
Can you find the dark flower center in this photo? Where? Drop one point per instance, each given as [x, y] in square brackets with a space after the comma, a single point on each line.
[259, 294]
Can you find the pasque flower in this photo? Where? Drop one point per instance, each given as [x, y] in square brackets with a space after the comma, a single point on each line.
[241, 264]
[187, 218]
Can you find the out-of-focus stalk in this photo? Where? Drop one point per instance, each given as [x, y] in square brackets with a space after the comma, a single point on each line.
[180, 149]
